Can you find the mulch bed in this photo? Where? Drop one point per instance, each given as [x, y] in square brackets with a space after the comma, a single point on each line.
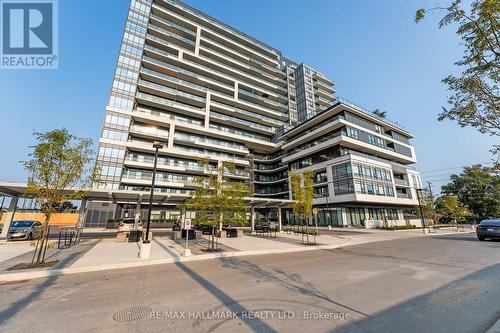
[30, 265]
[212, 250]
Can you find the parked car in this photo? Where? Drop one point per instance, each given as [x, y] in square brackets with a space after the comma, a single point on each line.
[127, 225]
[25, 229]
[488, 229]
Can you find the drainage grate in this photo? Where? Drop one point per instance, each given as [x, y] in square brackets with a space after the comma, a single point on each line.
[132, 313]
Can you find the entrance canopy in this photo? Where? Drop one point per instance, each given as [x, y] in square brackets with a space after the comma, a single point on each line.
[125, 196]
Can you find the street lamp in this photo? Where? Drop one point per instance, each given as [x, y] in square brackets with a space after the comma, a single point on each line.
[419, 194]
[146, 244]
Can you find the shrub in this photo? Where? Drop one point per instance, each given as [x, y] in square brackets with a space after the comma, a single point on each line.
[400, 227]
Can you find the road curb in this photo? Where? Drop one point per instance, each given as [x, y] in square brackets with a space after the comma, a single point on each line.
[9, 277]
[495, 328]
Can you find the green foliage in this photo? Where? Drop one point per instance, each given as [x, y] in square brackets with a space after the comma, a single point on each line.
[217, 198]
[399, 227]
[419, 15]
[60, 169]
[474, 99]
[302, 193]
[451, 208]
[478, 187]
[379, 113]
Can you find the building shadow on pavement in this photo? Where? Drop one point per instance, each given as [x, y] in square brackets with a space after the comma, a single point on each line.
[359, 253]
[469, 304]
[290, 281]
[462, 238]
[18, 306]
[255, 324]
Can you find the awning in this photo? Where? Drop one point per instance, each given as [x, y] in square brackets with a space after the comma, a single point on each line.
[125, 196]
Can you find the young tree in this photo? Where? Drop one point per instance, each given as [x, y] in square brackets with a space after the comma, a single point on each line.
[474, 99]
[60, 170]
[303, 196]
[218, 199]
[479, 188]
[452, 208]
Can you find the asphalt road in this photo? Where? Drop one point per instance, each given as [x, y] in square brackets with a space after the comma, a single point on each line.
[424, 284]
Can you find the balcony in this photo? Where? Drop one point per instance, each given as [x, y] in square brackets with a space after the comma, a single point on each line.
[172, 37]
[167, 104]
[402, 182]
[154, 75]
[251, 114]
[188, 73]
[168, 116]
[253, 96]
[241, 122]
[403, 195]
[323, 86]
[150, 131]
[171, 93]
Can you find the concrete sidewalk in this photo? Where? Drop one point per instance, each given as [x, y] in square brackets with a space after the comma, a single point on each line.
[107, 254]
[13, 249]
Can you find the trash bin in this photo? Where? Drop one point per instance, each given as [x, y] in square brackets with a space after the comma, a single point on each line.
[134, 236]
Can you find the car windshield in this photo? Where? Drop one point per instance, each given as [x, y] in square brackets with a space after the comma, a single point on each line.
[491, 222]
[22, 224]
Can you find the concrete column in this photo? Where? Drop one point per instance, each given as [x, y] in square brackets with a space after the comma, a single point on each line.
[279, 219]
[10, 217]
[197, 45]
[138, 206]
[236, 87]
[82, 214]
[183, 216]
[252, 219]
[207, 110]
[171, 135]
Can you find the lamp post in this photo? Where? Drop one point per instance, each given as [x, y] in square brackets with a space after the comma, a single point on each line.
[146, 244]
[419, 194]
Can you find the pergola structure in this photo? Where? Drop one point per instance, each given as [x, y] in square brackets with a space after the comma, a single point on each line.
[18, 190]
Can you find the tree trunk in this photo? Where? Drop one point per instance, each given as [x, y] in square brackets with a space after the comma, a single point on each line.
[42, 240]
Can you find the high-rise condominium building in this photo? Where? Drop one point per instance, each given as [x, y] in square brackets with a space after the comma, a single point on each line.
[208, 90]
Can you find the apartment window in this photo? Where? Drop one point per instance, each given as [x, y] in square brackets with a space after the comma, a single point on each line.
[114, 135]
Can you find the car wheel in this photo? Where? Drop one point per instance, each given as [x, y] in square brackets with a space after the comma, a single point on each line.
[481, 238]
[30, 236]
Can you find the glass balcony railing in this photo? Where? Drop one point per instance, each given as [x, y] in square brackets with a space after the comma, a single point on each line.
[170, 116]
[402, 182]
[172, 24]
[241, 121]
[187, 72]
[150, 131]
[171, 34]
[197, 138]
[171, 91]
[266, 100]
[359, 108]
[167, 102]
[239, 132]
[172, 79]
[248, 113]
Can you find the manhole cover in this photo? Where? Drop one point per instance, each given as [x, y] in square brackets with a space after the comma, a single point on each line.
[132, 313]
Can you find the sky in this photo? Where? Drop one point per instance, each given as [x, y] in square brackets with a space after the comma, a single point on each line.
[373, 50]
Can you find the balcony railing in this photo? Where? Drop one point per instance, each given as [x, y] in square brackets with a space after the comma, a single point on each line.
[361, 109]
[150, 130]
[402, 182]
